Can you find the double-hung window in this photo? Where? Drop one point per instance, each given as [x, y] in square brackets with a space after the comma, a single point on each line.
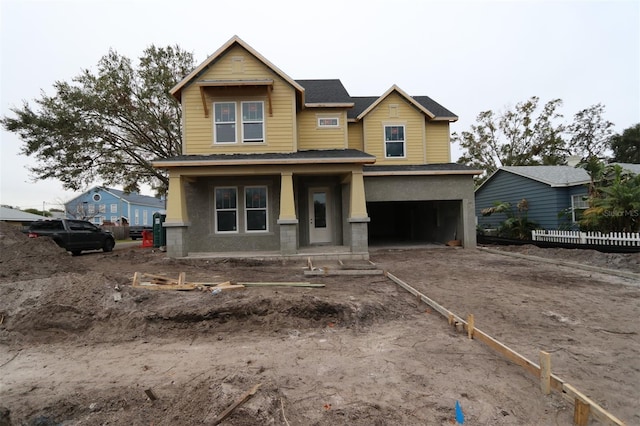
[579, 204]
[256, 208]
[226, 203]
[224, 122]
[394, 143]
[253, 121]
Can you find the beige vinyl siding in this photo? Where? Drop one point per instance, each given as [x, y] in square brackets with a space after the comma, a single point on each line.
[280, 128]
[355, 136]
[438, 142]
[414, 128]
[311, 136]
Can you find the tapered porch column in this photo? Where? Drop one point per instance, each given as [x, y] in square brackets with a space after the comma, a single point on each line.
[177, 221]
[287, 220]
[358, 217]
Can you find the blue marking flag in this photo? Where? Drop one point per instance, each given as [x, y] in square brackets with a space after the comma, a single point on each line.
[459, 414]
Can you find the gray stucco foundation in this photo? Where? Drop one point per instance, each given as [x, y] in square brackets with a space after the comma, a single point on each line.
[177, 239]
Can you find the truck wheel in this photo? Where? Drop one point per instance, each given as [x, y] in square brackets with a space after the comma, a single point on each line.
[76, 252]
[108, 246]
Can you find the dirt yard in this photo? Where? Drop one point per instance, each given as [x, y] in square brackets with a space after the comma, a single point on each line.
[359, 351]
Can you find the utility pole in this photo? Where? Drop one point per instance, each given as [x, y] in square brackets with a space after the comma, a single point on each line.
[43, 208]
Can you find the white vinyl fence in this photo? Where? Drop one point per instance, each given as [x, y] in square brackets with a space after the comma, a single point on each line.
[628, 239]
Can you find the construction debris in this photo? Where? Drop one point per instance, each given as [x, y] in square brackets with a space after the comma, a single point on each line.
[245, 396]
[353, 269]
[159, 282]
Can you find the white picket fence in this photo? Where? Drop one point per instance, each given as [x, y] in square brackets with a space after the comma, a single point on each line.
[628, 239]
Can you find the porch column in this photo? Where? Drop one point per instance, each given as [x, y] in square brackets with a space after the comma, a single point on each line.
[288, 221]
[358, 217]
[177, 221]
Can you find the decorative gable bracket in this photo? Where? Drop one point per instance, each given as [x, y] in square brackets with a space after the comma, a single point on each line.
[203, 84]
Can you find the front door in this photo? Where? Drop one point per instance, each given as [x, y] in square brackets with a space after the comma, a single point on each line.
[319, 215]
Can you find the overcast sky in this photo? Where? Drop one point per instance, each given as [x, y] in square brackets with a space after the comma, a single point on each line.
[470, 56]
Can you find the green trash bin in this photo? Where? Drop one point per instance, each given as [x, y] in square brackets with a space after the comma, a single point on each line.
[159, 231]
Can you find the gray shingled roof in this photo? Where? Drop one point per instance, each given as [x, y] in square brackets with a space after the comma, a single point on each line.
[363, 102]
[633, 168]
[551, 175]
[324, 92]
[14, 215]
[142, 200]
[299, 155]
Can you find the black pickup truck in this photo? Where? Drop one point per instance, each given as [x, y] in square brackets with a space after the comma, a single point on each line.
[73, 235]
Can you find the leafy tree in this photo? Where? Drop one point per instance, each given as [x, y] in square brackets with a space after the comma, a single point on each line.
[517, 224]
[626, 147]
[518, 137]
[590, 132]
[107, 125]
[615, 205]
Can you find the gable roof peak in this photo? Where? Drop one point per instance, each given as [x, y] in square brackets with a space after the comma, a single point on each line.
[176, 91]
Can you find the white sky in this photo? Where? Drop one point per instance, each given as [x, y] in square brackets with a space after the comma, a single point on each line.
[469, 56]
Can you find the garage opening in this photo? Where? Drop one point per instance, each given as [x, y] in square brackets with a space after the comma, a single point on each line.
[395, 222]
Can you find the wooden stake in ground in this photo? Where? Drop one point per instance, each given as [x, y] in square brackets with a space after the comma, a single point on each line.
[236, 404]
[545, 372]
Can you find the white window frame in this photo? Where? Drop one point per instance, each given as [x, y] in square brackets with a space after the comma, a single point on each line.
[323, 125]
[252, 141]
[234, 123]
[403, 141]
[216, 209]
[578, 203]
[145, 217]
[91, 208]
[114, 219]
[114, 208]
[102, 208]
[247, 209]
[136, 217]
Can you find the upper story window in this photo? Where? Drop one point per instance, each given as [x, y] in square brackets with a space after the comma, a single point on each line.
[253, 121]
[328, 122]
[394, 142]
[225, 122]
[251, 125]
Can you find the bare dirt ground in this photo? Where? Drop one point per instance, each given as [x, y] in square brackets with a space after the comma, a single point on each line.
[359, 351]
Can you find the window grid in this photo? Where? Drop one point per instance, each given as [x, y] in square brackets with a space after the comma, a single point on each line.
[224, 122]
[252, 121]
[578, 205]
[226, 210]
[394, 141]
[256, 212]
[328, 122]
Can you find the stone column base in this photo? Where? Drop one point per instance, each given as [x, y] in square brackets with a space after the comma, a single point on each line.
[288, 236]
[177, 241]
[359, 235]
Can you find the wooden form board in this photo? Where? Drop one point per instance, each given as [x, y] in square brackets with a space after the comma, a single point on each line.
[568, 392]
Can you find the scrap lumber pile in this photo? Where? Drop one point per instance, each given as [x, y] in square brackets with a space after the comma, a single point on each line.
[161, 282]
[342, 268]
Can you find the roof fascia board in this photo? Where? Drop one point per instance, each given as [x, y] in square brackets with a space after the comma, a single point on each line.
[421, 172]
[275, 161]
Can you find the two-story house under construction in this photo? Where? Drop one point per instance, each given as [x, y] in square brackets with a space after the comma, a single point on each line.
[274, 164]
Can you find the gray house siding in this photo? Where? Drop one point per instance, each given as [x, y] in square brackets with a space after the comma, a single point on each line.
[545, 202]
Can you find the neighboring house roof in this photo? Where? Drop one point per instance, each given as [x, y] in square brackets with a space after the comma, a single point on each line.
[298, 157]
[421, 169]
[176, 91]
[325, 93]
[133, 198]
[8, 214]
[428, 106]
[554, 176]
[633, 168]
[138, 199]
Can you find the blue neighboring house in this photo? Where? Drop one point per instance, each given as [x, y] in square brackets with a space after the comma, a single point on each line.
[102, 205]
[549, 190]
